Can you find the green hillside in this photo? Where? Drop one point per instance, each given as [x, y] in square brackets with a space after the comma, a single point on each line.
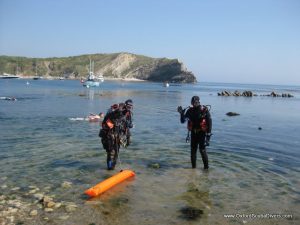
[116, 65]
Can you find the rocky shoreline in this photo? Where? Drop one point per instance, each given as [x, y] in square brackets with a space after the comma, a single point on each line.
[251, 94]
[73, 78]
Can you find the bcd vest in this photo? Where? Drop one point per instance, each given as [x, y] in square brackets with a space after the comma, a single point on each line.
[203, 126]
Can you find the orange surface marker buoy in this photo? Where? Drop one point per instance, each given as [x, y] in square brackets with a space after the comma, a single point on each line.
[108, 183]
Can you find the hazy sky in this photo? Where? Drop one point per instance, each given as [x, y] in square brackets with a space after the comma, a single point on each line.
[241, 41]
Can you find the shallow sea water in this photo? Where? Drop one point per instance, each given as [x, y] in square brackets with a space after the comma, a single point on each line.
[251, 171]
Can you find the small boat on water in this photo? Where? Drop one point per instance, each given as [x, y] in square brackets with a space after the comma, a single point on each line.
[37, 78]
[8, 76]
[92, 80]
[166, 84]
[100, 78]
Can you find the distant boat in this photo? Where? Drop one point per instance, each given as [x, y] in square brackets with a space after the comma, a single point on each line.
[166, 84]
[92, 80]
[36, 74]
[8, 76]
[37, 78]
[100, 77]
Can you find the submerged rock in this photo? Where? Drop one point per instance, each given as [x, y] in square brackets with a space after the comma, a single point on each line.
[120, 201]
[232, 114]
[45, 200]
[50, 204]
[190, 213]
[154, 165]
[16, 189]
[48, 209]
[33, 191]
[38, 196]
[70, 207]
[66, 184]
[57, 205]
[64, 217]
[33, 213]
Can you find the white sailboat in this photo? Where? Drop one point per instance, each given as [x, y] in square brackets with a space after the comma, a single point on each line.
[92, 80]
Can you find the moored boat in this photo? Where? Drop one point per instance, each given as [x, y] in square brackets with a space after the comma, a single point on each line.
[92, 80]
[8, 76]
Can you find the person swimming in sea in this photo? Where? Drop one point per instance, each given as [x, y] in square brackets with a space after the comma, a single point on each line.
[91, 118]
[8, 98]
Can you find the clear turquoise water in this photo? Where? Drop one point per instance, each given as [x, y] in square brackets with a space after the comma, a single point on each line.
[251, 170]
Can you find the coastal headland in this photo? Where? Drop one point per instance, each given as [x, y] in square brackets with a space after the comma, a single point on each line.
[125, 66]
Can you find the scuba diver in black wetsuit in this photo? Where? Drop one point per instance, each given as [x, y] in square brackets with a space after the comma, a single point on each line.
[115, 130]
[200, 125]
[127, 113]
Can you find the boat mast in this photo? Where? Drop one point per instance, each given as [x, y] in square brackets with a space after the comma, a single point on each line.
[90, 67]
[93, 66]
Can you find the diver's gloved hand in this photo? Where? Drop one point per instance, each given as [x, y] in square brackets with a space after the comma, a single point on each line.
[179, 109]
[207, 139]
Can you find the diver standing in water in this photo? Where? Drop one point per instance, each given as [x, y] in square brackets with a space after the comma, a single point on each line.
[200, 125]
[115, 130]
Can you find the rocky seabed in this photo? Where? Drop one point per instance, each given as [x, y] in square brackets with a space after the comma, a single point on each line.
[24, 207]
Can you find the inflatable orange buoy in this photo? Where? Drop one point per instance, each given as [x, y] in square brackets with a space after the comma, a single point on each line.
[108, 183]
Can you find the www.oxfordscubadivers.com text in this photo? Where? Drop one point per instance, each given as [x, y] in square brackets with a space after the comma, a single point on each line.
[258, 216]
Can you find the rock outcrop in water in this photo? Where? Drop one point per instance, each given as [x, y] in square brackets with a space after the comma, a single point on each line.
[237, 93]
[232, 114]
[117, 65]
[251, 94]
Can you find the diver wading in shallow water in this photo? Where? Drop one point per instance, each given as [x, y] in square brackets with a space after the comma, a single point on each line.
[115, 130]
[199, 124]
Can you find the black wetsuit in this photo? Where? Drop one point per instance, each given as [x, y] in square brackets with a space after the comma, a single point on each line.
[195, 115]
[112, 137]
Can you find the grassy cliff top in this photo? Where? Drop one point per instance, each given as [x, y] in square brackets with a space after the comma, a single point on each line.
[115, 65]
